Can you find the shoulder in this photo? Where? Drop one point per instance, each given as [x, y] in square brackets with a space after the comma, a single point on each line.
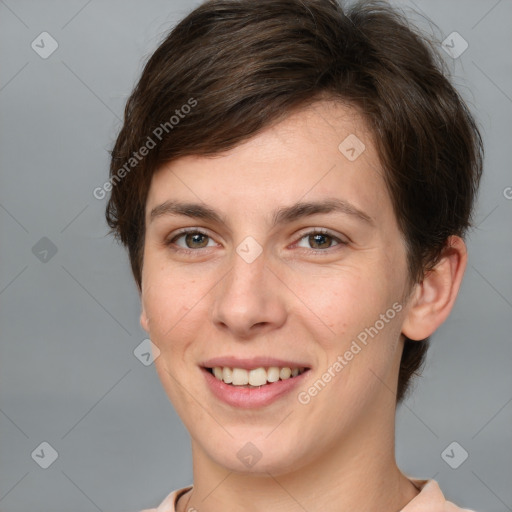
[169, 503]
[430, 496]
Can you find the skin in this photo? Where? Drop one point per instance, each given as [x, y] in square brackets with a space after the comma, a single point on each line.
[299, 300]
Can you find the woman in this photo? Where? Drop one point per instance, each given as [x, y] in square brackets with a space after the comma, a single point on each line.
[293, 184]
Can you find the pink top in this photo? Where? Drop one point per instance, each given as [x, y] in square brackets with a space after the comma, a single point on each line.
[430, 499]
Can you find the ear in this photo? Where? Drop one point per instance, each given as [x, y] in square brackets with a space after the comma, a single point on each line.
[433, 298]
[144, 320]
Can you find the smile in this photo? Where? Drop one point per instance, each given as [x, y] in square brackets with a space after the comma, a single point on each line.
[255, 377]
[251, 388]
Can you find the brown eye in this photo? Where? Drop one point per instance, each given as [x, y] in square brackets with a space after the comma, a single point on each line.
[192, 239]
[320, 240]
[196, 240]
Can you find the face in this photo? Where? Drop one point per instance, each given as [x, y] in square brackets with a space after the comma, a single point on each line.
[248, 280]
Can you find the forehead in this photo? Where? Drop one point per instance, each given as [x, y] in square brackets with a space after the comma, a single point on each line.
[325, 150]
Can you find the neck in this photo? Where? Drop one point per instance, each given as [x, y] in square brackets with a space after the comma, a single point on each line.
[359, 473]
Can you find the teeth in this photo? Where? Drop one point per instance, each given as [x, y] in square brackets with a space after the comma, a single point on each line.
[240, 377]
[273, 374]
[227, 375]
[285, 373]
[255, 377]
[258, 377]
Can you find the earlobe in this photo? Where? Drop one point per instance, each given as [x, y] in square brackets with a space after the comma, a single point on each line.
[144, 321]
[433, 298]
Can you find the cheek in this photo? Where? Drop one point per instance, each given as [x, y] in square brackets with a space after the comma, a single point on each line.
[168, 302]
[345, 301]
[363, 314]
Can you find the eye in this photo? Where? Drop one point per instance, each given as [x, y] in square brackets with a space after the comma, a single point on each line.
[320, 240]
[193, 239]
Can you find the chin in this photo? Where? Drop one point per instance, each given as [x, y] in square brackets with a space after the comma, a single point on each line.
[258, 457]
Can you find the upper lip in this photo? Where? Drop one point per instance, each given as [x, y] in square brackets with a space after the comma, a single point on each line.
[253, 362]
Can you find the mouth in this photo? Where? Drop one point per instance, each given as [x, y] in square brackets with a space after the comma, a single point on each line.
[254, 382]
[256, 377]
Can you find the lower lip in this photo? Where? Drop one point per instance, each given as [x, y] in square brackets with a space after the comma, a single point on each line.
[250, 398]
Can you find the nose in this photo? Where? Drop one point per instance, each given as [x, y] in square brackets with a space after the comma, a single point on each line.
[250, 300]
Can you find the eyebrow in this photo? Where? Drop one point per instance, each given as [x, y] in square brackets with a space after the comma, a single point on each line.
[280, 216]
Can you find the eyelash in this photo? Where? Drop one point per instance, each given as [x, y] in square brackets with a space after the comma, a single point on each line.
[181, 250]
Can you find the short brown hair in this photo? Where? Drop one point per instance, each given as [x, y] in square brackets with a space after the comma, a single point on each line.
[246, 64]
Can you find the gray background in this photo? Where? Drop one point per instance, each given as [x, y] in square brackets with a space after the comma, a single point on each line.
[69, 325]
